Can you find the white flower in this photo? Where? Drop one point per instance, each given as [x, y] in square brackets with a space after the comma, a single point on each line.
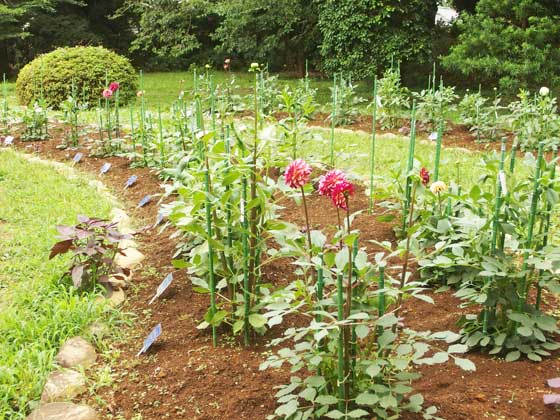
[544, 91]
[438, 187]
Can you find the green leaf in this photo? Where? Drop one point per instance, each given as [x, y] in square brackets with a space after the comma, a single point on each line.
[308, 394]
[334, 414]
[326, 400]
[356, 414]
[525, 331]
[287, 409]
[512, 356]
[458, 348]
[362, 331]
[366, 398]
[257, 320]
[465, 364]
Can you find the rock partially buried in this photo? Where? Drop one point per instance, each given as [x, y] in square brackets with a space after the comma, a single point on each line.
[76, 352]
[131, 258]
[63, 411]
[63, 385]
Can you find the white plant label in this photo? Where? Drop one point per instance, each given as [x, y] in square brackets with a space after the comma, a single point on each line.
[503, 182]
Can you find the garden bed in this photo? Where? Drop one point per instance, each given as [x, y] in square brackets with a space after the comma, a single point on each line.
[183, 376]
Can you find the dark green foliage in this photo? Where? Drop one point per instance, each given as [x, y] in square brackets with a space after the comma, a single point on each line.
[361, 37]
[281, 32]
[86, 66]
[513, 43]
[174, 32]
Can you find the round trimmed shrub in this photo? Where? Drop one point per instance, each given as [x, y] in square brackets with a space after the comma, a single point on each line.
[86, 66]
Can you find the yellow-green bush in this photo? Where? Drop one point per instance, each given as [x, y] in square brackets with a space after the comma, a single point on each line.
[86, 66]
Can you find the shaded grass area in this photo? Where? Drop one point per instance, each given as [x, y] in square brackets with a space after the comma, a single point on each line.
[37, 313]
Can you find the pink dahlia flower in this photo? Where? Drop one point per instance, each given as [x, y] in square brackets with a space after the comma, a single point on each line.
[340, 193]
[114, 86]
[297, 173]
[328, 181]
[107, 93]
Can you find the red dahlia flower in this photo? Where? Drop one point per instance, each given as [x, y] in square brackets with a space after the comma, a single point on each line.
[297, 173]
[424, 176]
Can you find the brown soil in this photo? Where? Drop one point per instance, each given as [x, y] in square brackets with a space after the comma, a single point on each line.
[184, 377]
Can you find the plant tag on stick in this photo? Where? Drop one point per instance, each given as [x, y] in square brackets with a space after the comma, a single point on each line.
[551, 399]
[145, 201]
[162, 287]
[242, 209]
[554, 383]
[131, 181]
[8, 140]
[433, 136]
[78, 157]
[150, 339]
[503, 183]
[105, 168]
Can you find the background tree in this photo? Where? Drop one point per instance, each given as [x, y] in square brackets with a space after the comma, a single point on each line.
[361, 36]
[32, 27]
[510, 42]
[175, 32]
[275, 32]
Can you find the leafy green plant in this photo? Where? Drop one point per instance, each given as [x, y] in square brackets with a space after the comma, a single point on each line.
[434, 104]
[488, 247]
[87, 66]
[94, 244]
[36, 122]
[346, 102]
[534, 119]
[393, 98]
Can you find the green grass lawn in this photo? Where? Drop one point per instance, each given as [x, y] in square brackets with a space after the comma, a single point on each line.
[37, 314]
[352, 153]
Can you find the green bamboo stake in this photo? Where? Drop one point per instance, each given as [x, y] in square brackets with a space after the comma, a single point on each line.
[334, 105]
[340, 304]
[117, 117]
[381, 286]
[495, 225]
[410, 165]
[531, 222]
[320, 282]
[161, 141]
[143, 121]
[212, 103]
[372, 152]
[210, 256]
[245, 244]
[438, 150]
[132, 133]
[5, 94]
[546, 227]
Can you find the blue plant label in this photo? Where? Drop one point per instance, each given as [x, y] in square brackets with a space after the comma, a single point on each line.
[144, 201]
[8, 140]
[105, 168]
[159, 219]
[78, 157]
[131, 181]
[433, 136]
[150, 339]
[162, 287]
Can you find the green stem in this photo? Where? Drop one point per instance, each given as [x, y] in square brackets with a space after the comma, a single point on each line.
[210, 256]
[341, 367]
[438, 150]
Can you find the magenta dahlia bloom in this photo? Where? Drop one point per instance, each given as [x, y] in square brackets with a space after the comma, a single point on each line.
[340, 193]
[328, 181]
[114, 86]
[107, 93]
[297, 173]
[424, 176]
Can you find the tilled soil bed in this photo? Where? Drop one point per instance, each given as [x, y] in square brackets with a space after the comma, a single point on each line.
[184, 377]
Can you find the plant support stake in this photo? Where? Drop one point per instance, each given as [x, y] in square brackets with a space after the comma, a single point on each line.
[372, 153]
[210, 257]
